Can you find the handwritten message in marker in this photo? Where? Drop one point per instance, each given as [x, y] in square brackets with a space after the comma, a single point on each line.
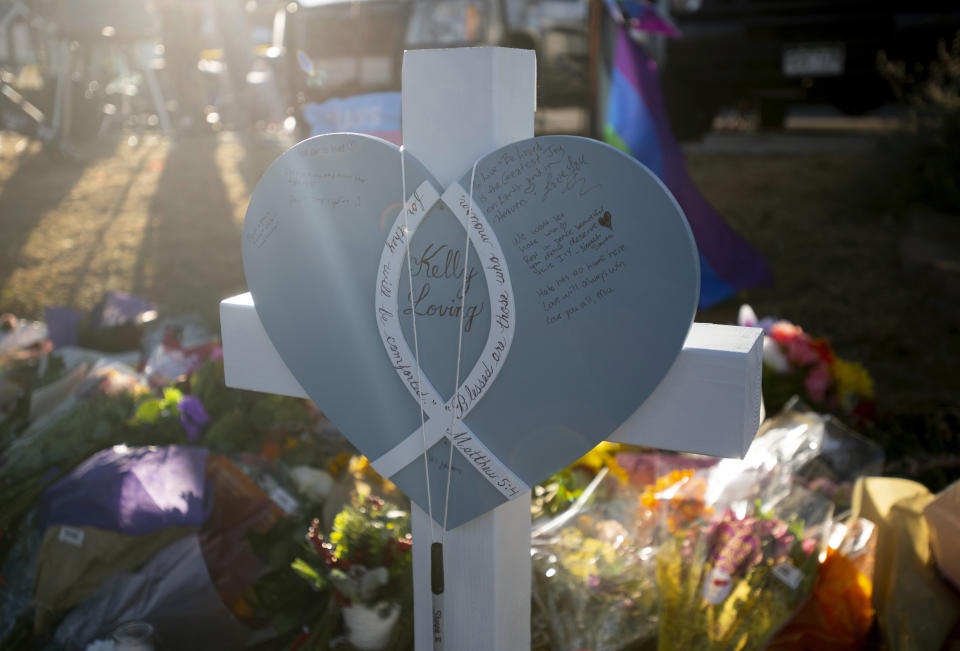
[575, 294]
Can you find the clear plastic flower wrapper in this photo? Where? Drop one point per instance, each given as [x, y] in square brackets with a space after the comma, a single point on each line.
[594, 587]
[797, 447]
[731, 578]
[839, 614]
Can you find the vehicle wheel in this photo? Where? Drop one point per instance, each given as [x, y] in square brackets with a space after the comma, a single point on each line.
[773, 114]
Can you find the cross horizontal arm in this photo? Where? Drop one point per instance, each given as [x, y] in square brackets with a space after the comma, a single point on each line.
[708, 403]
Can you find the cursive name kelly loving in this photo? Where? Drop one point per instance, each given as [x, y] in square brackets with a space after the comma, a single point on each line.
[437, 266]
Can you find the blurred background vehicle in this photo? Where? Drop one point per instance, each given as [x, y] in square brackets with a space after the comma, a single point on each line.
[339, 49]
[773, 53]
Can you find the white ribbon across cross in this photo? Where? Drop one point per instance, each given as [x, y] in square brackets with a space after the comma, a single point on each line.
[488, 365]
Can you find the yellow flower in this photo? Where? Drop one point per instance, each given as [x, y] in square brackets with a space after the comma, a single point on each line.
[339, 463]
[584, 556]
[241, 608]
[852, 379]
[604, 455]
[358, 464]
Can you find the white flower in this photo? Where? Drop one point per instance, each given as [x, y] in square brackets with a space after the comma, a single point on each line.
[312, 482]
[747, 317]
[773, 356]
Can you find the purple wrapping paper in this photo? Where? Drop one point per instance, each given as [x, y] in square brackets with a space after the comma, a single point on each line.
[119, 308]
[133, 491]
[62, 325]
[172, 592]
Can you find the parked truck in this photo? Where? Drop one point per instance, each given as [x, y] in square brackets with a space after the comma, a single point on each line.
[779, 52]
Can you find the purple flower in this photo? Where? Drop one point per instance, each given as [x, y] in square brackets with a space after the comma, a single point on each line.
[192, 416]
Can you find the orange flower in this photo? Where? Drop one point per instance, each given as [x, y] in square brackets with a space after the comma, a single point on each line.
[271, 450]
[685, 501]
[784, 332]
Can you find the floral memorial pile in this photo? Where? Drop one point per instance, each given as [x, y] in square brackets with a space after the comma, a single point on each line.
[135, 486]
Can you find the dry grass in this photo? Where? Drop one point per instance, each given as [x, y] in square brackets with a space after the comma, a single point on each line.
[885, 290]
[156, 218]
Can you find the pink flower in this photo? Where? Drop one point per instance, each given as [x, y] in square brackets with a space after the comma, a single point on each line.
[818, 381]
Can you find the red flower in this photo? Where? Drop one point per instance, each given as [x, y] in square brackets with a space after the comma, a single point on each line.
[784, 331]
[297, 643]
[823, 349]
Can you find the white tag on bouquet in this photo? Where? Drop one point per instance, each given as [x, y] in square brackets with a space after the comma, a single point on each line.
[789, 574]
[717, 587]
[284, 500]
[71, 536]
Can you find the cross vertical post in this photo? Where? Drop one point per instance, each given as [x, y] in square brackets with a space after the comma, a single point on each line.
[459, 105]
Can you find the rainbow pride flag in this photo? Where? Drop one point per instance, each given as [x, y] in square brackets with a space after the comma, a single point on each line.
[636, 123]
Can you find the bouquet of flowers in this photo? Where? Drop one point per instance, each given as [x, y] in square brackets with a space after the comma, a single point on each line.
[741, 540]
[794, 362]
[795, 448]
[365, 562]
[594, 586]
[839, 614]
[802, 447]
[561, 491]
[734, 581]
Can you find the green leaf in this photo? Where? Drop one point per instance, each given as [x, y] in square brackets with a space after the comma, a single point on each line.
[760, 512]
[306, 571]
[148, 412]
[796, 528]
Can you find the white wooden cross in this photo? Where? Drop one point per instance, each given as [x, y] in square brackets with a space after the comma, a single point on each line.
[459, 105]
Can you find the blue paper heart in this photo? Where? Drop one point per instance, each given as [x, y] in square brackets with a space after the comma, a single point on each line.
[581, 284]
